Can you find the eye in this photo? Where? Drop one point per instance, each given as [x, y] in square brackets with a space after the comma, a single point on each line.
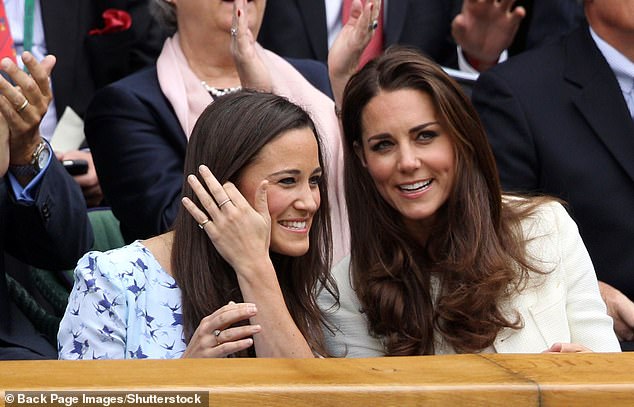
[287, 181]
[381, 145]
[426, 135]
[315, 179]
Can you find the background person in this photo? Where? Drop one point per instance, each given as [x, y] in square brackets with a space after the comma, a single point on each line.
[565, 128]
[43, 219]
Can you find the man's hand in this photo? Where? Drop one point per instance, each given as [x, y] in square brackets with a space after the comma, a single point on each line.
[23, 106]
[88, 182]
[621, 309]
[485, 28]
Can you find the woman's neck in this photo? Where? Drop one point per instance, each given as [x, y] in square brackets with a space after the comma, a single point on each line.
[161, 248]
[210, 59]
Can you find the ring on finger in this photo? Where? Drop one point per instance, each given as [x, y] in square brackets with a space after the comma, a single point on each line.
[217, 333]
[234, 31]
[22, 106]
[373, 25]
[202, 226]
[221, 204]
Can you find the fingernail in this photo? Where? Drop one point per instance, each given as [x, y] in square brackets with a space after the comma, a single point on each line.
[253, 309]
[5, 63]
[257, 328]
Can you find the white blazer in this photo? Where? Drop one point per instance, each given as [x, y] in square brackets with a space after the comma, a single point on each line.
[562, 306]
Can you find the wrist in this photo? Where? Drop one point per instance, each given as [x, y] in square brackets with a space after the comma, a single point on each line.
[480, 64]
[22, 153]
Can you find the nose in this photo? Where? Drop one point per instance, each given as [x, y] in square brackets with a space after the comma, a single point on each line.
[308, 199]
[407, 159]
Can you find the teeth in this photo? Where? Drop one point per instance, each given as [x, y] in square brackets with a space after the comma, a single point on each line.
[294, 224]
[415, 186]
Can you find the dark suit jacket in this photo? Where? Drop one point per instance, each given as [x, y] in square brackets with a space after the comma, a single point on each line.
[297, 28]
[139, 149]
[52, 233]
[558, 124]
[88, 62]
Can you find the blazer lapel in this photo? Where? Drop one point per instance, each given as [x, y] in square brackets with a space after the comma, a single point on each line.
[314, 15]
[599, 98]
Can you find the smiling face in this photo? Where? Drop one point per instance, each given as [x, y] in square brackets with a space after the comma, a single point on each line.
[408, 154]
[290, 163]
[216, 15]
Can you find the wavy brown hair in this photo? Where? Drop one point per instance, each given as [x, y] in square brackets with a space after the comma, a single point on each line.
[228, 137]
[475, 248]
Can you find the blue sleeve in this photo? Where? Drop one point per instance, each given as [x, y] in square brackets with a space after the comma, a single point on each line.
[27, 194]
[94, 325]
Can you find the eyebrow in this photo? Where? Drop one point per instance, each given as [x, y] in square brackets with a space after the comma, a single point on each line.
[414, 129]
[294, 172]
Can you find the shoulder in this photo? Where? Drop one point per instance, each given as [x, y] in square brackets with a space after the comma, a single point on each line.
[118, 267]
[548, 217]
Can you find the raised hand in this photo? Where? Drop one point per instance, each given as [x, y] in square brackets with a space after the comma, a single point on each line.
[215, 338]
[485, 28]
[240, 233]
[251, 69]
[23, 106]
[345, 53]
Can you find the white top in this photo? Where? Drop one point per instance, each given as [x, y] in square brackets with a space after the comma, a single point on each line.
[561, 306]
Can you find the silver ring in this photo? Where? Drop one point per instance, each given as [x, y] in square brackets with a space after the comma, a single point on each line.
[202, 226]
[22, 106]
[373, 25]
[226, 201]
[234, 31]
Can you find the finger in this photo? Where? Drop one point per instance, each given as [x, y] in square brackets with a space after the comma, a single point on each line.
[40, 72]
[229, 315]
[7, 89]
[242, 24]
[217, 190]
[13, 118]
[237, 333]
[261, 201]
[206, 200]
[229, 348]
[198, 215]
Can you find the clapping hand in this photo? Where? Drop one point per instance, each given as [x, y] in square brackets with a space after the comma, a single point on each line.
[24, 104]
[345, 53]
[486, 28]
[251, 69]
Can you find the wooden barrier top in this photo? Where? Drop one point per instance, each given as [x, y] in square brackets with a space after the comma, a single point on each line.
[516, 380]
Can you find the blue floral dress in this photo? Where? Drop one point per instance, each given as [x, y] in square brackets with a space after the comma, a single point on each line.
[123, 306]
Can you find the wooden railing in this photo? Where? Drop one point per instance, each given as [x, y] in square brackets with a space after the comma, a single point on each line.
[505, 380]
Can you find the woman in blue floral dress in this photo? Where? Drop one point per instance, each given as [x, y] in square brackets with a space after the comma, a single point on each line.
[237, 275]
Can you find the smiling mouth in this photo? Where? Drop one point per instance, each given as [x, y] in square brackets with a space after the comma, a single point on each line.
[295, 225]
[415, 186]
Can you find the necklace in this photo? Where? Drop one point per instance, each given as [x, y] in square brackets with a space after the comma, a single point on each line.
[217, 92]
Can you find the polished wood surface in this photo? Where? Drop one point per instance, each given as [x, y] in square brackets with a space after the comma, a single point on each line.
[515, 380]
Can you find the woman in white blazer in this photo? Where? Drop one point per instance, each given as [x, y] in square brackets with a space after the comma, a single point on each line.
[441, 261]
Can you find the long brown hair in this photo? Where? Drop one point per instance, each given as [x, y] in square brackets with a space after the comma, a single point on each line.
[475, 248]
[228, 137]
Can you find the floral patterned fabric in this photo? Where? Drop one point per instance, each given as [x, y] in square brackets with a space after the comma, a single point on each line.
[123, 306]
